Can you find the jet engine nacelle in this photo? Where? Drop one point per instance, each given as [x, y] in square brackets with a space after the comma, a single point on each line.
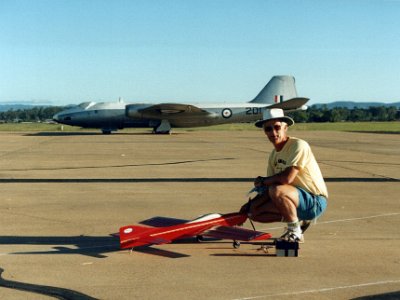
[132, 111]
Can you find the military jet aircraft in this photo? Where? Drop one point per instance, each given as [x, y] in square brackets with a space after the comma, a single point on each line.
[280, 92]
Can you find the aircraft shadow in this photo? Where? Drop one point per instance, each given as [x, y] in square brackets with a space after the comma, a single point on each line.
[78, 133]
[176, 180]
[95, 246]
[385, 296]
[158, 252]
[65, 133]
[59, 293]
[99, 246]
[243, 254]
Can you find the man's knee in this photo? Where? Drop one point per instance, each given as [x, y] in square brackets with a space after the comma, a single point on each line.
[283, 192]
[277, 192]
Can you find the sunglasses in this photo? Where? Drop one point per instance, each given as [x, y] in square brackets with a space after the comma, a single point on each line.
[270, 128]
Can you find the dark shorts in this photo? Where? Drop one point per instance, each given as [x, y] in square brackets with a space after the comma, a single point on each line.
[310, 206]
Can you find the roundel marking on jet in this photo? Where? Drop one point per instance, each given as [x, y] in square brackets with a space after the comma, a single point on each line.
[226, 113]
[128, 230]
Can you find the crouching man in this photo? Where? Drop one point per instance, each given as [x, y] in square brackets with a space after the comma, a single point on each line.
[294, 190]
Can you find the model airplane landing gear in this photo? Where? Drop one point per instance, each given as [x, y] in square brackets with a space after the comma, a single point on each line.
[199, 238]
[236, 244]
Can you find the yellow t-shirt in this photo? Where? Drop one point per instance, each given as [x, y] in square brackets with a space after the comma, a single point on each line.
[297, 153]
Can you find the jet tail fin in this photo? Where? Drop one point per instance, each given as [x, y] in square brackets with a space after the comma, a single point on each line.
[278, 89]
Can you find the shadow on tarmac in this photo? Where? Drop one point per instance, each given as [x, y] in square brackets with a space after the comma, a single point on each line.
[385, 296]
[94, 246]
[77, 133]
[56, 292]
[98, 246]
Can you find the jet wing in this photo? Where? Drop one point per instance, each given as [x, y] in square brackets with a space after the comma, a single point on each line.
[170, 110]
[236, 233]
[162, 222]
[290, 104]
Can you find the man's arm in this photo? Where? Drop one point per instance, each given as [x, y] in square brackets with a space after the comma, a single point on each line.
[285, 177]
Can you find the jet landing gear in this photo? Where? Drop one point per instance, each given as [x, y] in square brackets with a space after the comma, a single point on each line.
[163, 128]
[108, 130]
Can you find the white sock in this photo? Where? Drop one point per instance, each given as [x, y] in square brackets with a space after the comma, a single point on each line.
[294, 226]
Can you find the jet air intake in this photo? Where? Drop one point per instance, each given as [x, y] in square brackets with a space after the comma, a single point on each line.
[132, 111]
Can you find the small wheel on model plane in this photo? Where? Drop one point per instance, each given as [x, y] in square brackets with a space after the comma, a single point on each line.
[236, 244]
[199, 238]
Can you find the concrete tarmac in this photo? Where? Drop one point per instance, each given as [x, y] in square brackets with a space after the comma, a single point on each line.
[63, 194]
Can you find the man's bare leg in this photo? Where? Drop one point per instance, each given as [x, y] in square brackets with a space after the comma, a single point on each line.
[263, 210]
[286, 199]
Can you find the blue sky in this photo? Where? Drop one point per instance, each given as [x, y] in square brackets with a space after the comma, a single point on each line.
[69, 51]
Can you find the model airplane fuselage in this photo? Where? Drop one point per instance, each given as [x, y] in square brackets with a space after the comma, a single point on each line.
[166, 230]
[280, 92]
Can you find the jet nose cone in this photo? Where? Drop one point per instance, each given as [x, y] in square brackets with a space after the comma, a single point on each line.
[56, 118]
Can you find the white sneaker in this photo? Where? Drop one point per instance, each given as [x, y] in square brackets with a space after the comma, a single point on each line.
[292, 236]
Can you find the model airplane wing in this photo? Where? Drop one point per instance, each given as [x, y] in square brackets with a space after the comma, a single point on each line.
[162, 222]
[170, 110]
[236, 233]
[156, 241]
[293, 103]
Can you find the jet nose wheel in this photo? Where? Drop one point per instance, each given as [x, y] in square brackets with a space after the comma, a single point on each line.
[236, 244]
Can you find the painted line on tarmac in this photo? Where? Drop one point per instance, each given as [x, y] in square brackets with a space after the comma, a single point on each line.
[322, 290]
[345, 220]
[360, 218]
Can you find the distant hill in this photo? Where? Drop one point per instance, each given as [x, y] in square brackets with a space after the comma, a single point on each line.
[7, 107]
[11, 106]
[352, 104]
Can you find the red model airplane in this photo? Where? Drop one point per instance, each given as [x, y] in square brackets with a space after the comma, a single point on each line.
[165, 230]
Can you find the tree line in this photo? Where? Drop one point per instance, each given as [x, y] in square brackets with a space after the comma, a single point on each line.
[316, 114]
[35, 114]
[312, 114]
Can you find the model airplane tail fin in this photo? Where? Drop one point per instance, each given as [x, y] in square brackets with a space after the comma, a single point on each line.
[278, 89]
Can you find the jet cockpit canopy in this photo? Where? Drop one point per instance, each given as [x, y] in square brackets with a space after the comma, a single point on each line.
[86, 105]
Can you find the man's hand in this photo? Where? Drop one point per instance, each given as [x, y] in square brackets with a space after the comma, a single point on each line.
[245, 208]
[259, 181]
